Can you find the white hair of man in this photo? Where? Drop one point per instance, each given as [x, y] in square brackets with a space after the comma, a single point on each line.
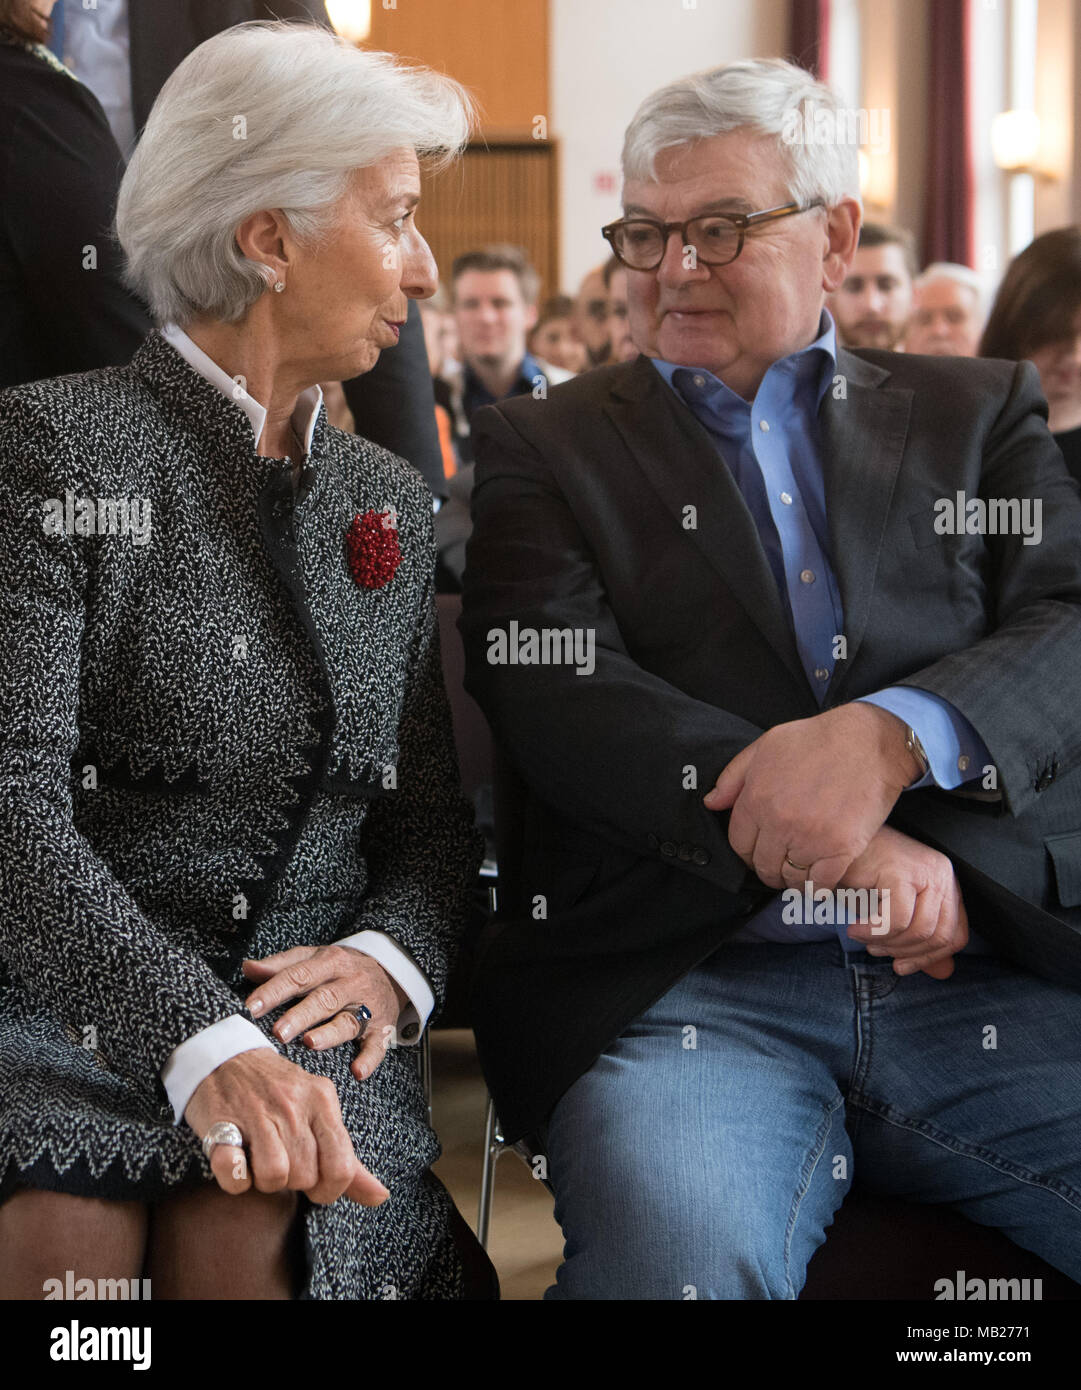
[817, 141]
[265, 115]
[951, 270]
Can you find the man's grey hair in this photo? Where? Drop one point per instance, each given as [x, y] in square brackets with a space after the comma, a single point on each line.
[766, 95]
[266, 115]
[951, 270]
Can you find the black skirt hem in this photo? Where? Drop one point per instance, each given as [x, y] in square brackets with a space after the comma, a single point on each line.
[115, 1184]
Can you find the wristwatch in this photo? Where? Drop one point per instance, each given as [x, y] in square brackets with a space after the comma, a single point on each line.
[915, 747]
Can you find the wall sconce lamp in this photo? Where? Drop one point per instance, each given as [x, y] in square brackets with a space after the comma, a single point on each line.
[1015, 144]
[351, 18]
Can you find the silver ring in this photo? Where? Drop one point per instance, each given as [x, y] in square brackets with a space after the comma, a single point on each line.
[800, 868]
[361, 1013]
[224, 1132]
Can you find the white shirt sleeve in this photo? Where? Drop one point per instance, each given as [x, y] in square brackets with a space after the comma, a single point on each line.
[194, 1060]
[402, 969]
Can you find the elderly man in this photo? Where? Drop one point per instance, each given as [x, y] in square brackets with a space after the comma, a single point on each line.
[947, 316]
[874, 300]
[760, 672]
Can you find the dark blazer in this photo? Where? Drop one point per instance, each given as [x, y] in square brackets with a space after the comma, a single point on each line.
[393, 404]
[580, 521]
[163, 33]
[60, 169]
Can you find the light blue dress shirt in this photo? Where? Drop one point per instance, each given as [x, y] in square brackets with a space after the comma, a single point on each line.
[772, 446]
[94, 43]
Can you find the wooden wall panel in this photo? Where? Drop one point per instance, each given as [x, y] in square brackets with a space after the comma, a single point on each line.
[497, 48]
[502, 192]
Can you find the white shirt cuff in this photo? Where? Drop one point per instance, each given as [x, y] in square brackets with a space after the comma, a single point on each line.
[403, 971]
[194, 1060]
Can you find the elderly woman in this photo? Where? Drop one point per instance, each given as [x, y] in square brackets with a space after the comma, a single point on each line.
[231, 837]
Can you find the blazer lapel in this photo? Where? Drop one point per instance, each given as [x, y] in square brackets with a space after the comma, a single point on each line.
[681, 461]
[863, 435]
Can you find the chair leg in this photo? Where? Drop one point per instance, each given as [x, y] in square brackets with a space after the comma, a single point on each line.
[425, 1051]
[494, 1144]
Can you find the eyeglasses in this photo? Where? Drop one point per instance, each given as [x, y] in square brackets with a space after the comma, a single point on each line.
[716, 238]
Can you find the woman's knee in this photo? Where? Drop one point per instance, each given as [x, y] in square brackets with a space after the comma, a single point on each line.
[48, 1236]
[206, 1243]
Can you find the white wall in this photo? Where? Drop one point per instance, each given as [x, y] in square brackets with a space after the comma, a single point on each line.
[604, 59]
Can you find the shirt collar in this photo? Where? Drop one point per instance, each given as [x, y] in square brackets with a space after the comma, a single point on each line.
[307, 406]
[819, 358]
[528, 371]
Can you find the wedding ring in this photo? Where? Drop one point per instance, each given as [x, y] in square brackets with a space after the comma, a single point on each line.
[224, 1132]
[801, 868]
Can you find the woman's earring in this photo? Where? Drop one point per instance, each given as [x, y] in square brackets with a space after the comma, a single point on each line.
[279, 285]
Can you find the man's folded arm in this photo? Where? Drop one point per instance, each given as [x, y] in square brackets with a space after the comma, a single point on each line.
[616, 749]
[1017, 686]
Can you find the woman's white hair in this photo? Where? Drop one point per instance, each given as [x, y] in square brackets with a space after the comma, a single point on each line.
[266, 115]
[818, 140]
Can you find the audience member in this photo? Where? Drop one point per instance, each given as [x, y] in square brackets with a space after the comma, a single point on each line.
[871, 308]
[494, 296]
[947, 314]
[554, 338]
[1037, 315]
[591, 316]
[63, 303]
[622, 347]
[494, 293]
[439, 336]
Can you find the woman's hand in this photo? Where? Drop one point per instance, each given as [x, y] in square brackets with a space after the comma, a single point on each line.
[292, 1127]
[328, 978]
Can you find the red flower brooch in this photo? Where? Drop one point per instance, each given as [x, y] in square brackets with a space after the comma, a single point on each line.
[371, 547]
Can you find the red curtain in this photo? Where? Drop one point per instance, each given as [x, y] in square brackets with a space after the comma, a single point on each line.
[948, 228]
[809, 35]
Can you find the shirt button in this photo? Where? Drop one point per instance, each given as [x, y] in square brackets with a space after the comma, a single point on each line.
[821, 673]
[699, 381]
[410, 1030]
[962, 763]
[786, 498]
[763, 425]
[807, 576]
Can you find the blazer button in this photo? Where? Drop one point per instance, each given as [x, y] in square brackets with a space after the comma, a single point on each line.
[685, 852]
[700, 856]
[653, 842]
[668, 849]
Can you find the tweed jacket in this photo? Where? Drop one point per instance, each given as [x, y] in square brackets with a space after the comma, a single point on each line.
[214, 743]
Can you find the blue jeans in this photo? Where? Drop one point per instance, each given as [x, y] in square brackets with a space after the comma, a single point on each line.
[705, 1152]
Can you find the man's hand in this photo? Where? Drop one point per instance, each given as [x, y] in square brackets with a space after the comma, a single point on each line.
[924, 912]
[292, 1127]
[815, 790]
[329, 978]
